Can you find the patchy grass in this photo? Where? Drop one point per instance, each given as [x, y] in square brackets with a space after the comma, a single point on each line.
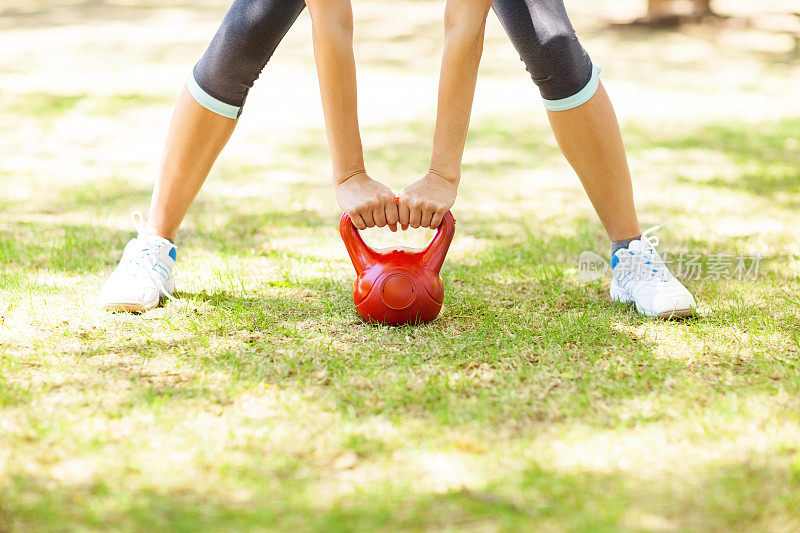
[259, 401]
[49, 106]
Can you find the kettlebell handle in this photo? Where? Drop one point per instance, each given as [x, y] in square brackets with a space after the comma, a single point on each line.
[362, 255]
[434, 254]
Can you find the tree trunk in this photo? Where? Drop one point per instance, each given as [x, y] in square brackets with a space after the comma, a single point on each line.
[682, 9]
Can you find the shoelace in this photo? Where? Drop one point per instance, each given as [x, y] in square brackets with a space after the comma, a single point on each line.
[654, 240]
[658, 269]
[144, 260]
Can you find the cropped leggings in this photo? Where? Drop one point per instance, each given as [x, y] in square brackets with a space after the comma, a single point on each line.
[252, 29]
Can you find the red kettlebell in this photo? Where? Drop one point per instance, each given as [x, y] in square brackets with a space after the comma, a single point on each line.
[398, 286]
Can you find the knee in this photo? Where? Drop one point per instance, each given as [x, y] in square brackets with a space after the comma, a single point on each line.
[545, 39]
[244, 43]
[560, 66]
[242, 35]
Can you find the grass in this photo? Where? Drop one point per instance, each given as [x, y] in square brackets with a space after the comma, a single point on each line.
[259, 401]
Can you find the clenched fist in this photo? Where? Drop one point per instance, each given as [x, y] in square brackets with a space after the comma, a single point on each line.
[369, 203]
[424, 203]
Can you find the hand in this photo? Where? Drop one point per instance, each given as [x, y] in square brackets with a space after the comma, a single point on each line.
[425, 202]
[367, 202]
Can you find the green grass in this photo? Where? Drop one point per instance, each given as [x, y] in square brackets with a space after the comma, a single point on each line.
[50, 106]
[259, 400]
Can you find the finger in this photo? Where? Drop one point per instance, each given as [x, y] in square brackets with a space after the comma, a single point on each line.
[403, 213]
[379, 216]
[368, 220]
[358, 222]
[392, 214]
[415, 217]
[425, 221]
[436, 220]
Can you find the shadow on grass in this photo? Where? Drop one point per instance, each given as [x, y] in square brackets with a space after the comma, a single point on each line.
[47, 106]
[404, 148]
[514, 301]
[754, 493]
[767, 155]
[34, 246]
[393, 507]
[545, 355]
[706, 37]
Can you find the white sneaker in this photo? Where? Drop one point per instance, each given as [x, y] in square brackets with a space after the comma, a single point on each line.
[641, 277]
[144, 273]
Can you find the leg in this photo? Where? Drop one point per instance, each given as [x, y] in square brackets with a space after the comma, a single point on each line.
[579, 109]
[204, 119]
[588, 134]
[207, 110]
[196, 137]
[590, 139]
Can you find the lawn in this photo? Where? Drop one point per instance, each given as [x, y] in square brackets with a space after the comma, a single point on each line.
[259, 400]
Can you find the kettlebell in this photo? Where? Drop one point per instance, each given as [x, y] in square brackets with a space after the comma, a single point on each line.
[396, 286]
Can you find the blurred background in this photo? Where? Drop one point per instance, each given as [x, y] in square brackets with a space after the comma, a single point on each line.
[260, 398]
[87, 88]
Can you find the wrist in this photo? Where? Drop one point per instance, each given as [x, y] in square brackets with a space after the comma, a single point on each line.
[347, 164]
[344, 176]
[450, 177]
[446, 163]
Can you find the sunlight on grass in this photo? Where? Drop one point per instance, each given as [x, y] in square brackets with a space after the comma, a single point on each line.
[259, 400]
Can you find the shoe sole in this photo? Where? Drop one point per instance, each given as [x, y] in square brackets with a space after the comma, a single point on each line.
[677, 313]
[134, 307]
[684, 312]
[618, 295]
[130, 307]
[126, 308]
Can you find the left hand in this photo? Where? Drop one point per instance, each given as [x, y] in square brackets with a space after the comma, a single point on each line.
[424, 203]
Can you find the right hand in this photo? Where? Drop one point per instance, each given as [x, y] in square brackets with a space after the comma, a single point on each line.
[368, 203]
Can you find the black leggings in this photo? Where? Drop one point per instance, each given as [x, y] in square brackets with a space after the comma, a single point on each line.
[252, 29]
